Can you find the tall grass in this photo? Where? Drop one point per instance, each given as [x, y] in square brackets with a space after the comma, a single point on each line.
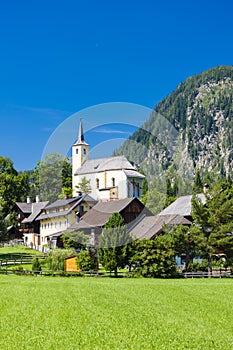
[104, 313]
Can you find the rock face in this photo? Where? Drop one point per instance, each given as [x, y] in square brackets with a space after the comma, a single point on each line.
[190, 129]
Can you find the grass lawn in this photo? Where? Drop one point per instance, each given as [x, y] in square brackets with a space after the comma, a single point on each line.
[106, 313]
[18, 251]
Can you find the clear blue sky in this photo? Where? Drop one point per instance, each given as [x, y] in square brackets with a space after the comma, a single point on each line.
[58, 57]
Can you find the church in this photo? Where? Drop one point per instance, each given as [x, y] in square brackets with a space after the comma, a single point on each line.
[110, 178]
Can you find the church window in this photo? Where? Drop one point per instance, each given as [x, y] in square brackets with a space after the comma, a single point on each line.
[84, 151]
[97, 183]
[76, 150]
[113, 182]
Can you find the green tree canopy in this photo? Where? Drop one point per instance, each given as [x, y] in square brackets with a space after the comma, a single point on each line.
[52, 177]
[112, 243]
[75, 240]
[13, 186]
[213, 231]
[84, 185]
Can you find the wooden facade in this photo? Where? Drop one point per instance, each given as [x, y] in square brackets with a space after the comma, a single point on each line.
[70, 264]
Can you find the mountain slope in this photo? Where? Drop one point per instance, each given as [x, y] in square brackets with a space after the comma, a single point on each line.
[190, 129]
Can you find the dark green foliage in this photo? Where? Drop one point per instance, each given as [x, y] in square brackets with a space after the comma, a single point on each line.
[3, 228]
[197, 133]
[213, 232]
[75, 240]
[86, 260]
[154, 259]
[198, 184]
[36, 265]
[13, 186]
[114, 238]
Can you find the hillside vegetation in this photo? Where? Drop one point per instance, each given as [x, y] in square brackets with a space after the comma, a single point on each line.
[190, 129]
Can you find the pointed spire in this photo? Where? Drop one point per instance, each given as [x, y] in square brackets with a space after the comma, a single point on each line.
[81, 140]
[80, 132]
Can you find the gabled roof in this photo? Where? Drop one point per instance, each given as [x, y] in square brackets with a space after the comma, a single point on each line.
[133, 173]
[101, 212]
[150, 226]
[26, 208]
[102, 164]
[98, 216]
[182, 206]
[62, 203]
[36, 210]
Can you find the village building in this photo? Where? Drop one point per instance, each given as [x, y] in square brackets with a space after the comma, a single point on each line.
[182, 206]
[61, 214]
[151, 226]
[110, 178]
[92, 223]
[27, 214]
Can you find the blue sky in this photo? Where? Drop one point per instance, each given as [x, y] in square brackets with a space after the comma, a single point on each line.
[60, 57]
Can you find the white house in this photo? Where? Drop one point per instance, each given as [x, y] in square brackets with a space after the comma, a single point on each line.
[110, 178]
[61, 214]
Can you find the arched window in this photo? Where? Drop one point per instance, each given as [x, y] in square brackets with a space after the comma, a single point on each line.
[113, 182]
[97, 183]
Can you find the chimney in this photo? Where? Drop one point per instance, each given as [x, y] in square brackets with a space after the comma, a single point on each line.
[28, 199]
[37, 198]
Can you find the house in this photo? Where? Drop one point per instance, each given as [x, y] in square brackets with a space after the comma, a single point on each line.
[61, 214]
[182, 206]
[92, 223]
[151, 226]
[27, 214]
[110, 178]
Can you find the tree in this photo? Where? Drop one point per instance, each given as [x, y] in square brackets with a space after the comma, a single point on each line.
[75, 240]
[50, 176]
[86, 260]
[3, 228]
[84, 185]
[213, 230]
[55, 259]
[198, 184]
[154, 258]
[112, 242]
[180, 241]
[36, 265]
[13, 186]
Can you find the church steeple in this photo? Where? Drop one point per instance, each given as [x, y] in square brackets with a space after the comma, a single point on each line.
[80, 140]
[80, 132]
[80, 153]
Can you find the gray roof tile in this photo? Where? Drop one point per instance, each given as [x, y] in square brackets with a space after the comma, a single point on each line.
[182, 206]
[150, 226]
[102, 164]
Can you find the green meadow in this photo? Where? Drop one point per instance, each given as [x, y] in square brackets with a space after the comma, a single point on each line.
[107, 313]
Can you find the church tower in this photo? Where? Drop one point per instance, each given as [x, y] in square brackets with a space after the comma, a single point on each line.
[80, 152]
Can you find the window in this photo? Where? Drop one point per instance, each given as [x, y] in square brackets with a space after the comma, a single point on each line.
[84, 151]
[76, 150]
[81, 208]
[97, 183]
[113, 182]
